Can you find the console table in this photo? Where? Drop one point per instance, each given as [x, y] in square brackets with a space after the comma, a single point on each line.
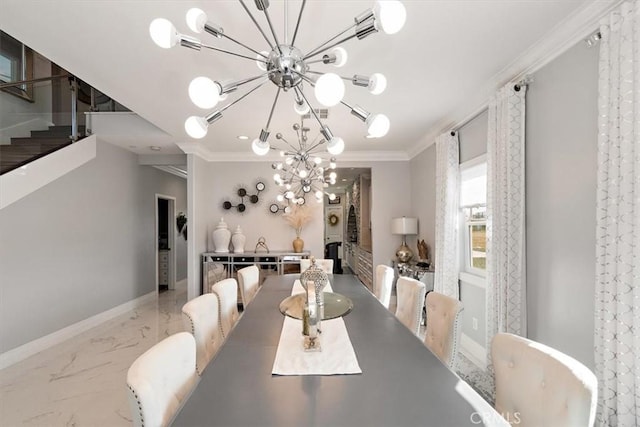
[217, 266]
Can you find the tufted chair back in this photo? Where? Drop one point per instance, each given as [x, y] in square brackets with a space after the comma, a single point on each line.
[411, 294]
[161, 379]
[539, 386]
[201, 317]
[383, 284]
[325, 264]
[444, 325]
[227, 293]
[249, 281]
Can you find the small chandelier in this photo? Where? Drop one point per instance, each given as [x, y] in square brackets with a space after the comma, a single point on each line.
[302, 171]
[287, 67]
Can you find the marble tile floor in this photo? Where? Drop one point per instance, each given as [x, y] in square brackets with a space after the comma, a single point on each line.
[81, 382]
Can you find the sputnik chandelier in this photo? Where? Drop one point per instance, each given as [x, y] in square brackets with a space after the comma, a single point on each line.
[287, 67]
[302, 172]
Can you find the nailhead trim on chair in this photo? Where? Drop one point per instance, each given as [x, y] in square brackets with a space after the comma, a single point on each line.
[193, 332]
[139, 405]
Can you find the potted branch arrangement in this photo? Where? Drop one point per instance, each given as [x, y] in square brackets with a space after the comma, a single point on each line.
[299, 216]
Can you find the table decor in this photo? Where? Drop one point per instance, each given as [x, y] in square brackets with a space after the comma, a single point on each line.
[336, 358]
[316, 275]
[335, 305]
[310, 321]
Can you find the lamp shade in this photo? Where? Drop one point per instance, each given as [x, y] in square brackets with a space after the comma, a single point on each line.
[404, 225]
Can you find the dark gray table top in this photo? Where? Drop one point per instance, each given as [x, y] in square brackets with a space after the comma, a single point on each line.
[402, 382]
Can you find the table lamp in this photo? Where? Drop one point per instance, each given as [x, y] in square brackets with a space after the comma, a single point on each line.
[404, 226]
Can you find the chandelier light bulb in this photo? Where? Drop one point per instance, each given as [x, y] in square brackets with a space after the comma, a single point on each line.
[287, 209]
[317, 160]
[289, 161]
[332, 196]
[319, 194]
[306, 188]
[341, 57]
[377, 83]
[329, 89]
[332, 163]
[163, 33]
[391, 15]
[277, 177]
[288, 186]
[301, 108]
[377, 125]
[335, 146]
[280, 198]
[289, 195]
[196, 18]
[196, 127]
[303, 173]
[204, 92]
[260, 147]
[333, 175]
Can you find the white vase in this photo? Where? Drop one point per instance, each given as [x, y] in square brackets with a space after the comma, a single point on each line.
[221, 237]
[237, 240]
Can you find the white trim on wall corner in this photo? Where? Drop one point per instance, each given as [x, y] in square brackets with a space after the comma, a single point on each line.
[473, 351]
[18, 354]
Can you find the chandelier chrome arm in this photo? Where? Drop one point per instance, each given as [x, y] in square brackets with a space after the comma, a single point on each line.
[257, 24]
[313, 51]
[263, 5]
[218, 113]
[295, 32]
[228, 52]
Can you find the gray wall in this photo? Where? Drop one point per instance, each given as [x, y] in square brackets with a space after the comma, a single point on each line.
[561, 150]
[561, 202]
[211, 183]
[79, 246]
[423, 203]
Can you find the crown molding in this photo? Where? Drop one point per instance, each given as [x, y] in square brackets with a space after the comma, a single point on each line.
[244, 156]
[573, 29]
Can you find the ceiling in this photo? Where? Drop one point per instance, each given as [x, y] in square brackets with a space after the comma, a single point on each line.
[449, 54]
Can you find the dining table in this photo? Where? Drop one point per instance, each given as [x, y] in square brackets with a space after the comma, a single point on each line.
[402, 382]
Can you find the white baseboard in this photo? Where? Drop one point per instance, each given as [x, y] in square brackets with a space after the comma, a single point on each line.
[20, 353]
[473, 351]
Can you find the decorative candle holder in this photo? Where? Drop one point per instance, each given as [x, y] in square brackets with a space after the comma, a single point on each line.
[310, 320]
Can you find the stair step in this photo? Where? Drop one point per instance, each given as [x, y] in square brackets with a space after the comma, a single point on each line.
[14, 156]
[81, 129]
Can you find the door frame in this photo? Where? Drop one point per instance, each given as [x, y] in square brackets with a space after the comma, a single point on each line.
[171, 242]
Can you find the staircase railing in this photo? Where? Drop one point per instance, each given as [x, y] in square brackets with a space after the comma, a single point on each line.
[46, 117]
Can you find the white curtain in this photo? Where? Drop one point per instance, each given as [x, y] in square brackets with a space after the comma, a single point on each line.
[506, 272]
[617, 317]
[447, 196]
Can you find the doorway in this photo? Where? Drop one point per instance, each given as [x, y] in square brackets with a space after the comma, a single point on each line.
[165, 249]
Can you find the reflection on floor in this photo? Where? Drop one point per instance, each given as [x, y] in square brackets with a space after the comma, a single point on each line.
[82, 381]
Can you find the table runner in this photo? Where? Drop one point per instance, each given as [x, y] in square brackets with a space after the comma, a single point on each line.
[337, 355]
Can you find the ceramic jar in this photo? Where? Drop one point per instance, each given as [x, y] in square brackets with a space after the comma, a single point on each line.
[221, 237]
[237, 240]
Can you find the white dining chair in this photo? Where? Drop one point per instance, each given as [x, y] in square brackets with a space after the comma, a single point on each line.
[383, 284]
[227, 292]
[201, 317]
[161, 379]
[249, 281]
[411, 293]
[444, 325]
[537, 385]
[325, 264]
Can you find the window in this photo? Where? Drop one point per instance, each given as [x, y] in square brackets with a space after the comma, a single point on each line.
[16, 63]
[473, 220]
